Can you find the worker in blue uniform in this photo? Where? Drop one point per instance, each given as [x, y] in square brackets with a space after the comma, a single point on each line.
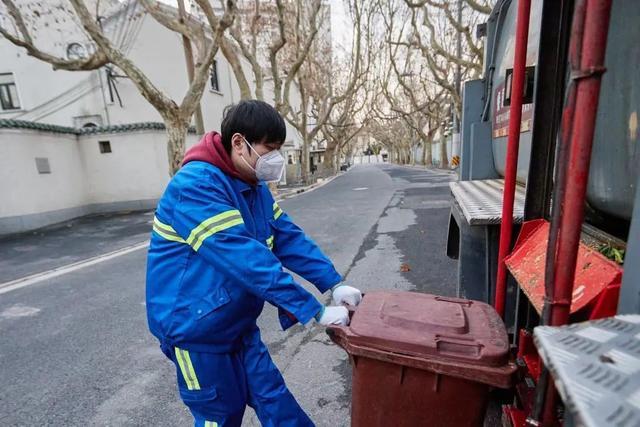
[218, 250]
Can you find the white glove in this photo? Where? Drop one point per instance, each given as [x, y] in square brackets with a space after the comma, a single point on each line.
[333, 316]
[343, 294]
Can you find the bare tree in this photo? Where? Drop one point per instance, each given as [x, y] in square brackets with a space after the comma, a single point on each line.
[390, 131]
[346, 124]
[269, 35]
[409, 87]
[288, 54]
[176, 115]
[425, 44]
[277, 54]
[447, 43]
[334, 96]
[289, 57]
[351, 116]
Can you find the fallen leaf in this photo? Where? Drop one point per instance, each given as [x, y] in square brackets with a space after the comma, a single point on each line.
[404, 268]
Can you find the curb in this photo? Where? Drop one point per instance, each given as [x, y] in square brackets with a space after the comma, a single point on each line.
[439, 170]
[307, 189]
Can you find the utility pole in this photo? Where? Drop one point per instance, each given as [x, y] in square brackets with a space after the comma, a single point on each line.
[188, 54]
[455, 141]
[459, 50]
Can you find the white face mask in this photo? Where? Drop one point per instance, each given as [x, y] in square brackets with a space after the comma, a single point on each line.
[269, 166]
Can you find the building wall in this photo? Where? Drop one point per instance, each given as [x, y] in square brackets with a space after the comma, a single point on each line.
[82, 180]
[25, 191]
[136, 169]
[361, 159]
[436, 149]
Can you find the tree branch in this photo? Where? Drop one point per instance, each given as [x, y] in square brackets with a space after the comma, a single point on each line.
[203, 64]
[482, 8]
[92, 62]
[249, 53]
[305, 51]
[277, 45]
[170, 19]
[159, 100]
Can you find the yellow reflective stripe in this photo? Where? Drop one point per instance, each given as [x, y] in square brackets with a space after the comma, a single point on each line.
[166, 231]
[162, 225]
[213, 225]
[192, 372]
[210, 424]
[214, 219]
[183, 369]
[277, 211]
[215, 229]
[188, 373]
[270, 242]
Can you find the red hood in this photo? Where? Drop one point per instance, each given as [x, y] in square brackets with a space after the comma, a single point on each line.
[211, 150]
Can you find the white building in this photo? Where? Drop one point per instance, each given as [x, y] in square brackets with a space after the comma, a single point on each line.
[80, 176]
[366, 149]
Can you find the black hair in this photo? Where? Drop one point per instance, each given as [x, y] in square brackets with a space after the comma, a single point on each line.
[256, 120]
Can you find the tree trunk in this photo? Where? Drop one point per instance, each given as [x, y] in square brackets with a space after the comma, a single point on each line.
[236, 67]
[330, 157]
[304, 161]
[176, 141]
[427, 155]
[444, 162]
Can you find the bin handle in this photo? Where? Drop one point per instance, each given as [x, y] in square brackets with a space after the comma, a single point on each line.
[332, 329]
[352, 309]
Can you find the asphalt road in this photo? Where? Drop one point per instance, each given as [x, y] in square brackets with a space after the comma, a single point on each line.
[75, 349]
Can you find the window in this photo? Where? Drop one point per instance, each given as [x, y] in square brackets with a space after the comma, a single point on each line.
[105, 146]
[76, 51]
[8, 93]
[215, 84]
[90, 121]
[42, 164]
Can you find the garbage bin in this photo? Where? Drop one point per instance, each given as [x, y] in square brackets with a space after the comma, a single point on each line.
[423, 360]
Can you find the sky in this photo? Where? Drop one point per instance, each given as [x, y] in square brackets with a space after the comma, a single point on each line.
[341, 25]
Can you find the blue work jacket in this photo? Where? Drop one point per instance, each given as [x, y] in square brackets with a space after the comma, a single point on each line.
[217, 253]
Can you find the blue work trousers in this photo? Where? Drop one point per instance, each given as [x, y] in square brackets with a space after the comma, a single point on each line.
[217, 387]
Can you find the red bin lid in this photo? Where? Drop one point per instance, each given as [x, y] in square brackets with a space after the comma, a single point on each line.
[430, 326]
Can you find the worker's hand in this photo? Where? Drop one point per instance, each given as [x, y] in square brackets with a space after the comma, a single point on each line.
[338, 315]
[343, 294]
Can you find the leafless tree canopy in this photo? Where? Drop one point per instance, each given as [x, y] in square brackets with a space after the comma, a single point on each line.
[396, 81]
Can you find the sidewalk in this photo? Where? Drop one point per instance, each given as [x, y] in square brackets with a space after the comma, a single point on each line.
[287, 192]
[433, 169]
[76, 240]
